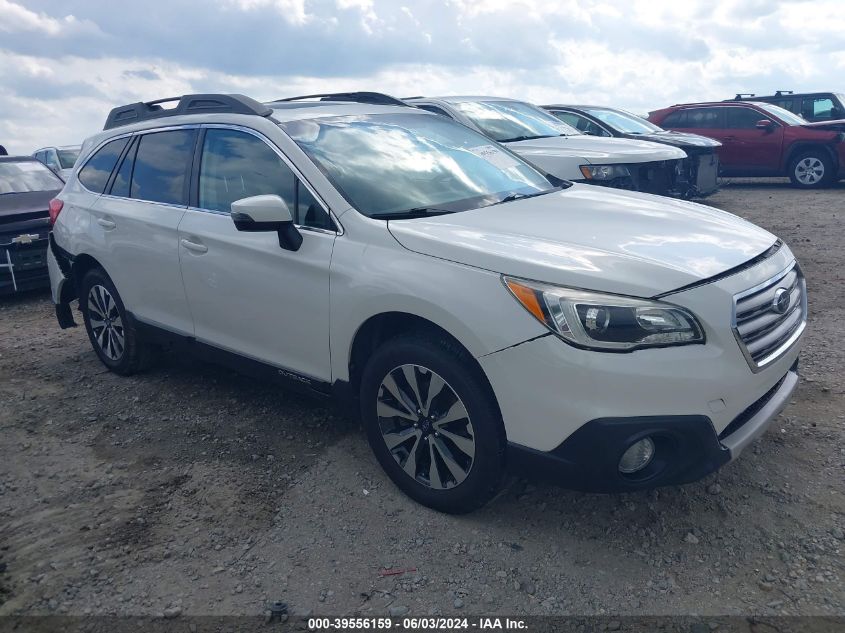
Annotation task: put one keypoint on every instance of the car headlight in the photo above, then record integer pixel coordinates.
(604, 172)
(606, 322)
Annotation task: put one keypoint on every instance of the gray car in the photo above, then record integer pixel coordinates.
(59, 159)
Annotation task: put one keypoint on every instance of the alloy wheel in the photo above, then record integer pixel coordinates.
(425, 426)
(809, 170)
(106, 323)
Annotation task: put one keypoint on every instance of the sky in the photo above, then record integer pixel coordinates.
(64, 64)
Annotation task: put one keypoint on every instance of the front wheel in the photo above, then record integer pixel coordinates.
(433, 424)
(811, 169)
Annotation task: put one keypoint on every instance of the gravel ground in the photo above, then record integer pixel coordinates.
(192, 490)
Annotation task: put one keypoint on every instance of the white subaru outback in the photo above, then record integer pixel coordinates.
(479, 315)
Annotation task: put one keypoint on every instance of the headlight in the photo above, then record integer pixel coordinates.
(604, 172)
(606, 322)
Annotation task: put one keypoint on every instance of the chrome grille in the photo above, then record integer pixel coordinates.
(765, 327)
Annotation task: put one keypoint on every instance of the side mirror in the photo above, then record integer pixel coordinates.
(267, 213)
(764, 124)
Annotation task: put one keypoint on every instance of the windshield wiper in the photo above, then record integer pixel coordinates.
(524, 138)
(521, 196)
(417, 212)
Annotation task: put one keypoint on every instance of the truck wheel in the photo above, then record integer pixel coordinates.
(811, 169)
(114, 339)
(433, 424)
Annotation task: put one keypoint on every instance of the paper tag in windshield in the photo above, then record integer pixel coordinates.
(495, 156)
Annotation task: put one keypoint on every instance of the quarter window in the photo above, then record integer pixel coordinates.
(237, 165)
(97, 170)
(161, 167)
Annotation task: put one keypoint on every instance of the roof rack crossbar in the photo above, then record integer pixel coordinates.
(187, 104)
(780, 93)
(740, 95)
(374, 98)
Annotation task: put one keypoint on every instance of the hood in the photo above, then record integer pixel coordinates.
(838, 124)
(592, 237)
(678, 139)
(597, 150)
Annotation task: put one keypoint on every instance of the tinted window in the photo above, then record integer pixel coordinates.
(97, 170)
(26, 176)
(120, 186)
(162, 161)
(582, 124)
(706, 118)
(743, 118)
(67, 157)
(818, 108)
(675, 119)
(238, 165)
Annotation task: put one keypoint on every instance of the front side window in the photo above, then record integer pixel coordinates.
(624, 121)
(743, 118)
(237, 165)
(582, 123)
(506, 121)
(818, 108)
(25, 176)
(391, 165)
(162, 162)
(784, 115)
(97, 170)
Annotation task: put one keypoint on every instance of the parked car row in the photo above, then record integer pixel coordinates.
(477, 312)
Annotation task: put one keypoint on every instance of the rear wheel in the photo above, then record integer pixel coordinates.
(433, 424)
(810, 169)
(115, 341)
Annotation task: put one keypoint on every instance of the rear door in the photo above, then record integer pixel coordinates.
(136, 222)
(247, 294)
(749, 148)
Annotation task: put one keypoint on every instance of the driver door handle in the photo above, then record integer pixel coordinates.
(193, 246)
(106, 224)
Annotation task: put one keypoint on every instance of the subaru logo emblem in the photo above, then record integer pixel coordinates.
(780, 302)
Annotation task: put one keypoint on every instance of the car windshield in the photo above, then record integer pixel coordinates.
(505, 121)
(623, 121)
(397, 166)
(24, 176)
(67, 157)
(784, 115)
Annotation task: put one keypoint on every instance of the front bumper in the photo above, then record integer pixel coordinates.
(23, 266)
(687, 447)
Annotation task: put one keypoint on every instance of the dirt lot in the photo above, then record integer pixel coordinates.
(194, 490)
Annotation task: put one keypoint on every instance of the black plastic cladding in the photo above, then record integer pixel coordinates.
(188, 104)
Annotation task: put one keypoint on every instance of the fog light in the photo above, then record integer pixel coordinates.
(637, 456)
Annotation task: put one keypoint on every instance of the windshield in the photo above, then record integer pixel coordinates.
(623, 121)
(67, 157)
(413, 164)
(27, 176)
(506, 121)
(784, 115)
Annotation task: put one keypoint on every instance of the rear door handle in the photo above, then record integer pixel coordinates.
(193, 246)
(106, 224)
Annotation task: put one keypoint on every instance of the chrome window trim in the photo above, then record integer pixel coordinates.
(758, 366)
(291, 166)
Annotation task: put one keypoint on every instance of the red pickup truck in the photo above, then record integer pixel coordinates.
(762, 139)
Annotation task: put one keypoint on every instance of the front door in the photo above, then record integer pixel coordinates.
(747, 147)
(247, 294)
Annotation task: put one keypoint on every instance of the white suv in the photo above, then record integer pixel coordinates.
(477, 315)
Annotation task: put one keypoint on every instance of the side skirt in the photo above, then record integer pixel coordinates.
(242, 364)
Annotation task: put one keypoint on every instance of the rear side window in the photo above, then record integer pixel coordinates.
(97, 170)
(123, 178)
(705, 118)
(743, 118)
(162, 164)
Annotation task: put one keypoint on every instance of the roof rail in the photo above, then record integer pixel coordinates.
(780, 93)
(375, 98)
(188, 104)
(739, 95)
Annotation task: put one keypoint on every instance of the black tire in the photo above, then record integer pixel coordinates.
(134, 354)
(445, 360)
(811, 169)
